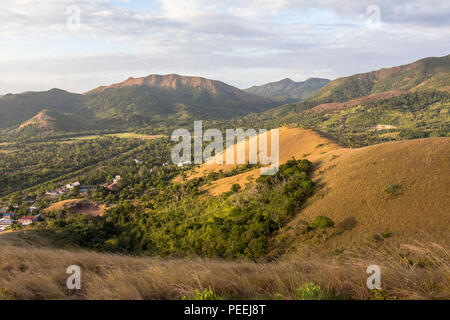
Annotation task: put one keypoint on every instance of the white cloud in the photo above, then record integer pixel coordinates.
(243, 42)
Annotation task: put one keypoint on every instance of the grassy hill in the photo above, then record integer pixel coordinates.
(388, 203)
(382, 196)
(287, 90)
(398, 189)
(294, 142)
(50, 121)
(109, 276)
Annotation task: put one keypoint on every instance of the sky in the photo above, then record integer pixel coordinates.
(78, 45)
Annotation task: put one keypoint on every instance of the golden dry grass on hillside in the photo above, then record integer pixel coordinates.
(31, 272)
(398, 189)
(293, 142)
(386, 193)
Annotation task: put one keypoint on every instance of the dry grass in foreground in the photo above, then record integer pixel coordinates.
(39, 273)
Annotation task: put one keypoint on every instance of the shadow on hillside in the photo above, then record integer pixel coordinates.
(346, 225)
(24, 238)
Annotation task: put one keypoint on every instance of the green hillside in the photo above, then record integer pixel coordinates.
(153, 101)
(17, 108)
(287, 90)
(148, 105)
(424, 74)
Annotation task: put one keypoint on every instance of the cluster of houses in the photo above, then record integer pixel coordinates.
(83, 189)
(66, 189)
(114, 185)
(8, 219)
(63, 190)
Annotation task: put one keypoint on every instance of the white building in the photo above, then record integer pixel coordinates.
(72, 185)
(5, 223)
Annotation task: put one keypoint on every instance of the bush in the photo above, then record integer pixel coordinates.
(309, 291)
(392, 189)
(235, 187)
(322, 222)
(207, 294)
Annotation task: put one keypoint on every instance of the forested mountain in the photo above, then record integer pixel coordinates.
(287, 90)
(17, 108)
(157, 98)
(161, 101)
(151, 101)
(424, 74)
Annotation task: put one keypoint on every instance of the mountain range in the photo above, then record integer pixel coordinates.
(147, 101)
(164, 100)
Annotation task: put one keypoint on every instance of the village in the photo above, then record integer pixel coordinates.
(9, 218)
(28, 213)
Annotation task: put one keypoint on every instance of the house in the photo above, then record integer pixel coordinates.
(5, 223)
(117, 179)
(137, 161)
(32, 208)
(9, 216)
(72, 185)
(28, 220)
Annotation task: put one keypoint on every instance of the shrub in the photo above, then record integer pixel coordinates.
(392, 189)
(380, 294)
(235, 187)
(309, 291)
(386, 234)
(207, 294)
(322, 222)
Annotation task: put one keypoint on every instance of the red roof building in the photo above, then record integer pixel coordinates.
(28, 220)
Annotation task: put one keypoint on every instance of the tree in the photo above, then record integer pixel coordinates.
(15, 199)
(322, 222)
(235, 187)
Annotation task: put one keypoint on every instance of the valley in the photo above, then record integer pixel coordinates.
(363, 179)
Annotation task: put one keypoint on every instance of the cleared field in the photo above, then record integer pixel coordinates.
(77, 206)
(131, 135)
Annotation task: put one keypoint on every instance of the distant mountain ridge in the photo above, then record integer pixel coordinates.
(17, 108)
(155, 100)
(178, 82)
(424, 74)
(159, 101)
(172, 97)
(169, 81)
(287, 90)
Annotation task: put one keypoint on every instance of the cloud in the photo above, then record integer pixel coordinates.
(242, 42)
